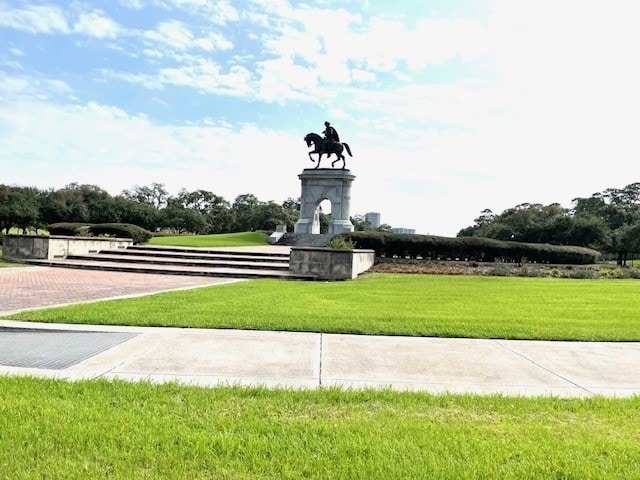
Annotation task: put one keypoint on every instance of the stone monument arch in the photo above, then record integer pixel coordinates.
(321, 184)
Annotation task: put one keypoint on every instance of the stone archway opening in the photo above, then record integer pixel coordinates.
(324, 207)
(322, 187)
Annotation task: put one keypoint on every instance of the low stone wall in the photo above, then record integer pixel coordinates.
(330, 264)
(23, 247)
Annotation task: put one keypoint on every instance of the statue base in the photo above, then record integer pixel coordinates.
(323, 184)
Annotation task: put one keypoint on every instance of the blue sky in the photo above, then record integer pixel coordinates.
(449, 107)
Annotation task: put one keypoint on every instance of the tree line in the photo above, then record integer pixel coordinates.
(608, 221)
(150, 207)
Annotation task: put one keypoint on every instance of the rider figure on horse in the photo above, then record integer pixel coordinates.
(330, 136)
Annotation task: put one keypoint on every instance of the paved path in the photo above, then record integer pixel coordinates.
(23, 288)
(293, 360)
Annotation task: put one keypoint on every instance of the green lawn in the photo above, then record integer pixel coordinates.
(397, 304)
(248, 239)
(117, 430)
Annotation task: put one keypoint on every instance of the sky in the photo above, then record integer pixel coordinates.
(449, 107)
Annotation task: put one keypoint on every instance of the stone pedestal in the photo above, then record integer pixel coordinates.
(325, 184)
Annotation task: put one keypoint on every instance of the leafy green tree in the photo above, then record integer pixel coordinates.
(243, 207)
(360, 223)
(589, 231)
(140, 214)
(64, 205)
(99, 203)
(214, 208)
(155, 195)
(619, 210)
(266, 216)
(18, 207)
(291, 208)
(179, 219)
(5, 213)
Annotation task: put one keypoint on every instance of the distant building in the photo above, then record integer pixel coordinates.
(373, 218)
(404, 230)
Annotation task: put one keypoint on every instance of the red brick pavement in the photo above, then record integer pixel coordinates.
(32, 287)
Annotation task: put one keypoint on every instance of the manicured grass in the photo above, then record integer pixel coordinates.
(396, 304)
(221, 240)
(116, 430)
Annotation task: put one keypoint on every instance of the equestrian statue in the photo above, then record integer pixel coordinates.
(328, 144)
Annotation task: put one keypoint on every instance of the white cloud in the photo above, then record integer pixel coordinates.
(132, 4)
(152, 53)
(207, 76)
(359, 75)
(213, 41)
(173, 33)
(34, 18)
(100, 144)
(20, 87)
(97, 25)
(540, 104)
(281, 80)
(177, 35)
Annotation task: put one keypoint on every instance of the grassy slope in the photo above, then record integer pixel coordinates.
(84, 430)
(455, 306)
(219, 240)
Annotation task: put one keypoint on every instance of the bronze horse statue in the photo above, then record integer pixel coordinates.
(321, 146)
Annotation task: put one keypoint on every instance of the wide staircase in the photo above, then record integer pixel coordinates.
(234, 263)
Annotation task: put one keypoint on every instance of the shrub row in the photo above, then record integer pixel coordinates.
(120, 230)
(469, 248)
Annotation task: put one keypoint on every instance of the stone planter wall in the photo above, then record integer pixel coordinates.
(22, 247)
(330, 264)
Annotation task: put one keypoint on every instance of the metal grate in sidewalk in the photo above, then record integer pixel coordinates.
(54, 349)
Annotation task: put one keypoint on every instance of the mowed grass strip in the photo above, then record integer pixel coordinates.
(389, 304)
(243, 239)
(117, 430)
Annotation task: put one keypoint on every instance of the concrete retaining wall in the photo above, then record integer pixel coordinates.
(22, 247)
(330, 264)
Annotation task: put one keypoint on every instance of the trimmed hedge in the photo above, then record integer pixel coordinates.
(120, 230)
(69, 229)
(469, 248)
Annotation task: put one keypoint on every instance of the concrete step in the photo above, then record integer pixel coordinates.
(204, 255)
(237, 252)
(252, 263)
(210, 271)
(259, 262)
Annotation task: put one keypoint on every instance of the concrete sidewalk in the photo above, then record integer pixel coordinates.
(284, 359)
(312, 360)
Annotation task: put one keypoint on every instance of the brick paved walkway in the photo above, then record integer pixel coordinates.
(34, 287)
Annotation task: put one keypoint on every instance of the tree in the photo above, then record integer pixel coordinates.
(360, 223)
(155, 195)
(64, 205)
(266, 216)
(141, 214)
(291, 208)
(214, 208)
(618, 209)
(18, 207)
(242, 208)
(182, 220)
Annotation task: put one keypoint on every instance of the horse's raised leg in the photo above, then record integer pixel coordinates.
(340, 157)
